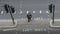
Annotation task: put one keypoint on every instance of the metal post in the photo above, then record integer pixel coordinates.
(53, 14)
(11, 15)
(53, 9)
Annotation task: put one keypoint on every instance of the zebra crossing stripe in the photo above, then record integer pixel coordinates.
(47, 12)
(40, 11)
(1, 12)
(33, 11)
(27, 12)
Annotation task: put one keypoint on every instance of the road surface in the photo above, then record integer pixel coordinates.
(38, 9)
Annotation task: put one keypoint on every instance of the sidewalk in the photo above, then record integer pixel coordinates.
(6, 23)
(56, 23)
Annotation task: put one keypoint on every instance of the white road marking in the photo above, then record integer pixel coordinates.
(1, 12)
(38, 18)
(47, 12)
(57, 20)
(8, 29)
(37, 29)
(33, 11)
(9, 20)
(27, 11)
(24, 30)
(40, 11)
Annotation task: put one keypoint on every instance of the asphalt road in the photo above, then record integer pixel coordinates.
(32, 32)
(33, 25)
(31, 6)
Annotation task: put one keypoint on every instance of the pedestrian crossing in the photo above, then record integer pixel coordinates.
(24, 19)
(21, 12)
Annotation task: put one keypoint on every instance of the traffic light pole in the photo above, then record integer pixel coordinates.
(53, 16)
(11, 16)
(53, 9)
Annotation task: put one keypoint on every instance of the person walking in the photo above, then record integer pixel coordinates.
(29, 16)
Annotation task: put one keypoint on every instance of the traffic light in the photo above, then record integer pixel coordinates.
(12, 9)
(50, 8)
(53, 7)
(9, 8)
(6, 6)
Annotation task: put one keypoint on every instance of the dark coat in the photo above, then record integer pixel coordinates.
(29, 16)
